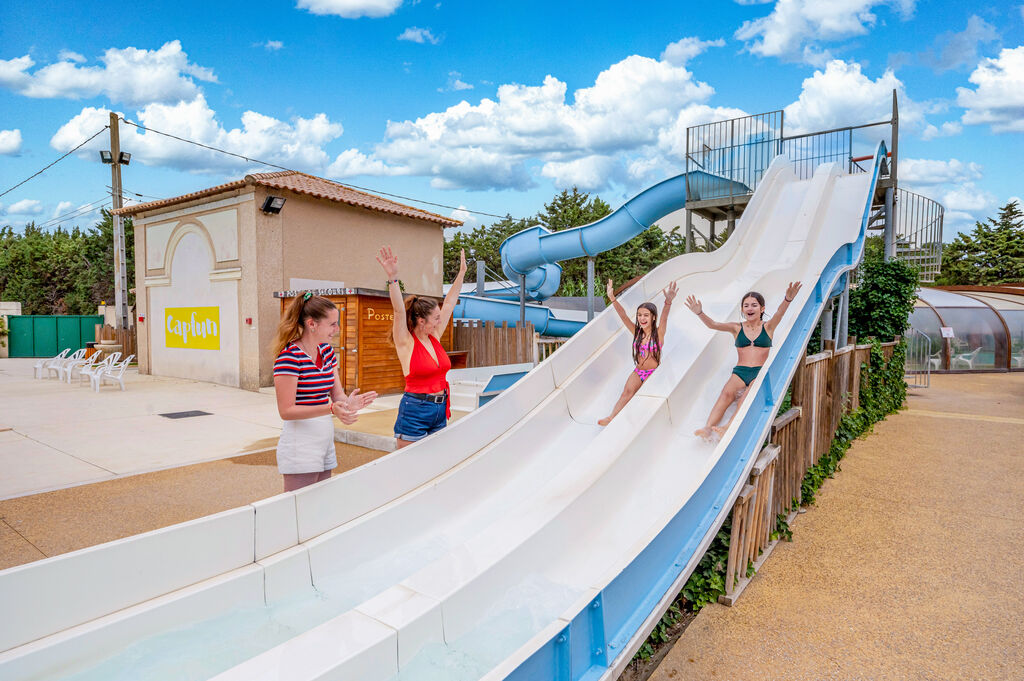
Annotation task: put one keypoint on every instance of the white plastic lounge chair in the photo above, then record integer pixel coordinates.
(86, 372)
(935, 360)
(56, 366)
(69, 368)
(114, 373)
(966, 358)
(1018, 360)
(39, 367)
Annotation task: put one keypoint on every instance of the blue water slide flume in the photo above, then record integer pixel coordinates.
(536, 251)
(598, 640)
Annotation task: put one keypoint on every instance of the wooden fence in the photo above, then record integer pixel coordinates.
(825, 386)
(545, 347)
(126, 338)
(489, 344)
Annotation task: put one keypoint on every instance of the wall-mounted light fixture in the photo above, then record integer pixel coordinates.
(273, 204)
(125, 158)
(106, 156)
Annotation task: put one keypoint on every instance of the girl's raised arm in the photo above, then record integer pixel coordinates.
(452, 299)
(791, 291)
(627, 322)
(698, 309)
(670, 293)
(389, 262)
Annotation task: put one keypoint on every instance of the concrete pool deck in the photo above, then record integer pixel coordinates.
(908, 566)
(54, 435)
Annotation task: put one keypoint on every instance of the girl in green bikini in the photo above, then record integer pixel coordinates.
(753, 343)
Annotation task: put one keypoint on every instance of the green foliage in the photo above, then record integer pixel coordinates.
(882, 300)
(993, 253)
(707, 582)
(882, 392)
(3, 332)
(63, 271)
(566, 210)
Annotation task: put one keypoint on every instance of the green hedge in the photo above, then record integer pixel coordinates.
(882, 392)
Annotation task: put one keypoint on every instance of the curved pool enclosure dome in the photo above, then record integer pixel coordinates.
(987, 324)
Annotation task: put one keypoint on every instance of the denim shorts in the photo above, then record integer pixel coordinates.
(418, 419)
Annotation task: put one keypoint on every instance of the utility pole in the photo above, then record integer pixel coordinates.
(120, 267)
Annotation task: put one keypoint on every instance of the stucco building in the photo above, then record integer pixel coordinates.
(208, 264)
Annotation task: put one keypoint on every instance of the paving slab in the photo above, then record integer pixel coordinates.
(907, 567)
(60, 434)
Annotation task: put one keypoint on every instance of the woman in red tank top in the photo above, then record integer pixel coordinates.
(425, 405)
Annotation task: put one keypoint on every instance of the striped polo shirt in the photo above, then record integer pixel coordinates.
(314, 384)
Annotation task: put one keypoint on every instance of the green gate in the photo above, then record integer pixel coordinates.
(46, 335)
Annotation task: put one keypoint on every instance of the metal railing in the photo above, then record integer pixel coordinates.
(919, 362)
(918, 238)
(728, 158)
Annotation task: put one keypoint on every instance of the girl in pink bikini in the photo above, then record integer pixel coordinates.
(648, 339)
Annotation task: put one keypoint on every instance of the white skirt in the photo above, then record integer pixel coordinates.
(307, 446)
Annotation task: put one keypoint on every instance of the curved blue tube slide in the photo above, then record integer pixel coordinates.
(535, 252)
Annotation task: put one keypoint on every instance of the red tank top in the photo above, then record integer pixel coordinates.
(425, 375)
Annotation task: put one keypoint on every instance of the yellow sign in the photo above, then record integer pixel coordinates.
(196, 328)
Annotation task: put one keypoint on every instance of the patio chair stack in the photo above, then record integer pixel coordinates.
(97, 368)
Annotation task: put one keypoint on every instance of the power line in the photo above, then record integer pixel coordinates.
(291, 170)
(81, 210)
(54, 163)
(127, 191)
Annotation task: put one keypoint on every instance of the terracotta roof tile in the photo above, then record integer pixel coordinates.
(309, 185)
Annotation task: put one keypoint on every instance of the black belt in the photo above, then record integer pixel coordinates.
(428, 397)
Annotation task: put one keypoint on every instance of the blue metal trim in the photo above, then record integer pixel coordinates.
(628, 600)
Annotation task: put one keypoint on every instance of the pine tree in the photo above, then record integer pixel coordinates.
(993, 253)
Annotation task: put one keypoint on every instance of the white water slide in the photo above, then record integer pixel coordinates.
(522, 542)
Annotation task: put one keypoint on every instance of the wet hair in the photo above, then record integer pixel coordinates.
(756, 296)
(638, 335)
(303, 306)
(416, 307)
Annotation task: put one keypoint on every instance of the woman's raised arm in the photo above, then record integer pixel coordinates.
(389, 262)
(452, 298)
(698, 309)
(670, 294)
(791, 291)
(629, 323)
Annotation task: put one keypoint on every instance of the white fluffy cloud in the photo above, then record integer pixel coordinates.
(10, 142)
(493, 144)
(795, 28)
(968, 198)
(272, 45)
(62, 208)
(353, 162)
(129, 75)
(68, 55)
(298, 144)
(25, 207)
(947, 129)
(842, 95)
(922, 172)
(682, 51)
(998, 100)
(351, 9)
(455, 83)
(415, 34)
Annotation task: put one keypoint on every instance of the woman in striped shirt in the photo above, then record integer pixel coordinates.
(309, 393)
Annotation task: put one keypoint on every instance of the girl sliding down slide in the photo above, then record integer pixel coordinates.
(753, 343)
(648, 340)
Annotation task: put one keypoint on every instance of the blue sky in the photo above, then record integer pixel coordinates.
(494, 107)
